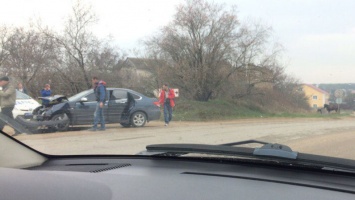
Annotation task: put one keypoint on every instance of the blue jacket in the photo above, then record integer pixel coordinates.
(45, 93)
(100, 91)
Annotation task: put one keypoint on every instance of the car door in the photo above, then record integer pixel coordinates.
(116, 105)
(84, 110)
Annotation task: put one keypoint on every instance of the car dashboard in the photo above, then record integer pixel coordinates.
(141, 177)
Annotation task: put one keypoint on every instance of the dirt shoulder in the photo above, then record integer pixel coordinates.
(340, 144)
(305, 135)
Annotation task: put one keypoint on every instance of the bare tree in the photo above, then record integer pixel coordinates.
(76, 44)
(106, 62)
(142, 74)
(29, 54)
(256, 59)
(207, 45)
(3, 43)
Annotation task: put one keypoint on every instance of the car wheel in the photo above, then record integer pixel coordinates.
(138, 119)
(61, 127)
(125, 125)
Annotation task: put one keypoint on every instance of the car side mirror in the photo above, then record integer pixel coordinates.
(84, 99)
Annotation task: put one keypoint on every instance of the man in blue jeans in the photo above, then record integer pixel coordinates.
(166, 99)
(100, 93)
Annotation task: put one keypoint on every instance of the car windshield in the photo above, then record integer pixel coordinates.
(21, 95)
(208, 71)
(80, 94)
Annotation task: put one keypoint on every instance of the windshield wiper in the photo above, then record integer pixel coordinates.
(274, 150)
(271, 150)
(245, 142)
(268, 152)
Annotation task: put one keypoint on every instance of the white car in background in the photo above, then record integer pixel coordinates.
(24, 104)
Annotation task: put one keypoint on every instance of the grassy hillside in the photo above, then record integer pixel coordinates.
(226, 110)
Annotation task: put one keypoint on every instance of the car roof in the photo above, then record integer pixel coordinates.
(128, 90)
(125, 89)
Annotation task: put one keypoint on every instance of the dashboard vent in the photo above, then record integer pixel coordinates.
(108, 168)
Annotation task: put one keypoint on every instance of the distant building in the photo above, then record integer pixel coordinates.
(316, 96)
(143, 74)
(140, 67)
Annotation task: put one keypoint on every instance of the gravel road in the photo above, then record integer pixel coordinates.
(334, 137)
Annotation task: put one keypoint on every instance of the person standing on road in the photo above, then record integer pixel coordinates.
(20, 88)
(46, 92)
(100, 93)
(166, 99)
(7, 98)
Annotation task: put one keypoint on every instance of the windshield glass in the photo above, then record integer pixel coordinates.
(80, 94)
(21, 95)
(209, 71)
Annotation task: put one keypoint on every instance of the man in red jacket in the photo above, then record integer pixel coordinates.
(167, 96)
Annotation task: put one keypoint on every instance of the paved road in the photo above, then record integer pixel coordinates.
(335, 137)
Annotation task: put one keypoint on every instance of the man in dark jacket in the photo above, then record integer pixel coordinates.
(100, 93)
(7, 98)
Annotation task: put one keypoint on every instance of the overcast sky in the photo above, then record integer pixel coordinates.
(318, 35)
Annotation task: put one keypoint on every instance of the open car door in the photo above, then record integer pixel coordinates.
(118, 105)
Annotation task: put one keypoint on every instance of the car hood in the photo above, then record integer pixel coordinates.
(56, 99)
(26, 104)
